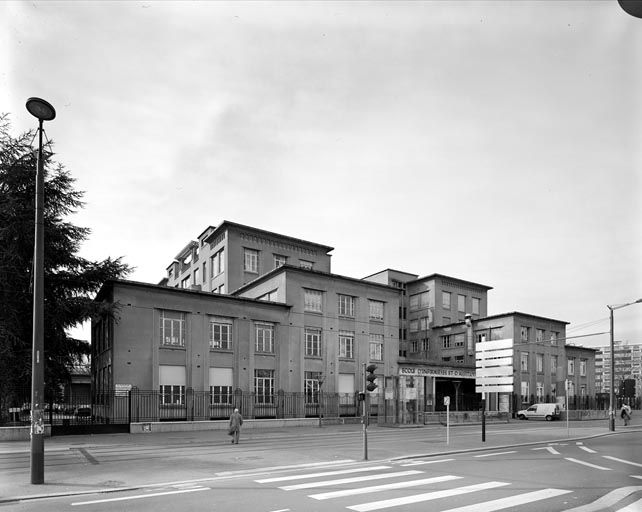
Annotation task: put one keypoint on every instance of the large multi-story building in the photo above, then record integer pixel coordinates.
(251, 311)
(628, 365)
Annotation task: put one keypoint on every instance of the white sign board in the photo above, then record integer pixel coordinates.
(494, 366)
(446, 401)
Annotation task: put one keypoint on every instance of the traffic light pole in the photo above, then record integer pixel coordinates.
(364, 418)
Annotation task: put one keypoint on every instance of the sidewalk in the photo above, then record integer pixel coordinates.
(76, 465)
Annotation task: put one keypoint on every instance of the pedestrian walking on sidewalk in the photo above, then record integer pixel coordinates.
(236, 420)
(625, 414)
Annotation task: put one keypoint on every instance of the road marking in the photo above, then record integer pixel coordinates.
(417, 498)
(353, 479)
(384, 487)
(587, 449)
(633, 507)
(139, 496)
(636, 476)
(511, 501)
(496, 453)
(608, 500)
(292, 466)
(548, 448)
(419, 463)
(622, 460)
(587, 464)
(316, 475)
(281, 510)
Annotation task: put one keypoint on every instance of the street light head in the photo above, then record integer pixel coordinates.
(41, 109)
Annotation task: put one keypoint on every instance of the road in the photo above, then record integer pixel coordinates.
(602, 473)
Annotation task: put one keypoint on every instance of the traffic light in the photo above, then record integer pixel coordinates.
(371, 377)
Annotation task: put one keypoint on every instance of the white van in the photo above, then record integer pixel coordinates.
(548, 412)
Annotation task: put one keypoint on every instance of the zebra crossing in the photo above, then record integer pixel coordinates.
(346, 484)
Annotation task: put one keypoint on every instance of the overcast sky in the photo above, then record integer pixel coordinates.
(495, 142)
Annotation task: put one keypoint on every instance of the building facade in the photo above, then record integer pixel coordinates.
(628, 365)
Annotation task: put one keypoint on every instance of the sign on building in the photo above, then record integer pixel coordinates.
(494, 366)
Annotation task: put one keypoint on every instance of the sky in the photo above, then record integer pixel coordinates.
(496, 142)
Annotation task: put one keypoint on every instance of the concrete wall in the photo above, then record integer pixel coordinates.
(19, 433)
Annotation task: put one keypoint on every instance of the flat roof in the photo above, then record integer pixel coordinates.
(512, 313)
(227, 223)
(443, 276)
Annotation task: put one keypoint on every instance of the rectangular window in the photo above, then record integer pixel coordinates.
(220, 386)
(571, 366)
(445, 341)
(221, 333)
(554, 389)
(583, 367)
(414, 325)
(264, 338)
(425, 344)
(523, 336)
(171, 380)
(480, 337)
(553, 338)
(376, 347)
(419, 301)
(496, 333)
(185, 282)
(524, 362)
(525, 391)
(346, 344)
(414, 346)
(376, 309)
(540, 391)
(423, 323)
(172, 329)
(172, 395)
(539, 361)
(251, 260)
(539, 335)
(461, 303)
(553, 365)
(217, 263)
(475, 304)
(306, 264)
(264, 386)
(195, 276)
(460, 340)
(459, 359)
(313, 342)
(279, 260)
(204, 272)
(312, 386)
(346, 305)
(312, 300)
(445, 300)
(271, 296)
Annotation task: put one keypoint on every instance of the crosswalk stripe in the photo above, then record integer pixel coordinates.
(511, 501)
(417, 498)
(587, 449)
(353, 479)
(316, 475)
(421, 462)
(622, 460)
(594, 466)
(495, 453)
(633, 507)
(383, 487)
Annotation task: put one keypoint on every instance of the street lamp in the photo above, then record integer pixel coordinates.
(43, 111)
(612, 390)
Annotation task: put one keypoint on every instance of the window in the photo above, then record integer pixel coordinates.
(583, 367)
(475, 304)
(419, 301)
(414, 325)
(376, 309)
(540, 391)
(553, 338)
(172, 329)
(279, 260)
(539, 362)
(312, 300)
(496, 333)
(217, 263)
(264, 338)
(525, 391)
(376, 347)
(171, 381)
(571, 366)
(461, 303)
(204, 272)
(445, 341)
(221, 333)
(480, 337)
(523, 336)
(313, 342)
(264, 386)
(346, 344)
(459, 359)
(185, 282)
(524, 362)
(271, 296)
(423, 323)
(414, 346)
(460, 340)
(425, 344)
(306, 264)
(220, 386)
(251, 261)
(346, 305)
(553, 365)
(554, 389)
(539, 335)
(445, 359)
(445, 300)
(312, 386)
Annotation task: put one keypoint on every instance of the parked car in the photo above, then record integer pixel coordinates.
(548, 412)
(83, 411)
